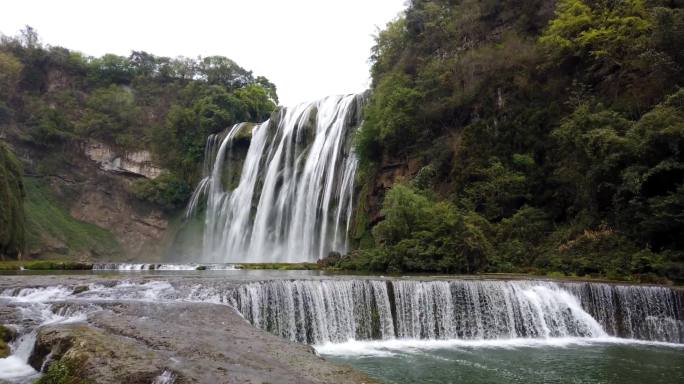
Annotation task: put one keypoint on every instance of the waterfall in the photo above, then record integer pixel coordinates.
(161, 267)
(318, 311)
(322, 311)
(289, 195)
(648, 313)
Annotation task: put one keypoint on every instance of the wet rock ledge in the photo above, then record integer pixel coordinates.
(131, 342)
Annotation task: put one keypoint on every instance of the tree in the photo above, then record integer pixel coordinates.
(111, 69)
(29, 37)
(219, 70)
(10, 74)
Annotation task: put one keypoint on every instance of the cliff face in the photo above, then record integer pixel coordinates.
(83, 207)
(136, 163)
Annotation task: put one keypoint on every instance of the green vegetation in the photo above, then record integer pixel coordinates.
(59, 97)
(49, 265)
(551, 142)
(167, 191)
(61, 372)
(4, 349)
(48, 222)
(12, 217)
(6, 336)
(44, 265)
(53, 100)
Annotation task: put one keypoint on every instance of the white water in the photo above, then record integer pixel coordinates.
(167, 377)
(41, 306)
(318, 311)
(161, 267)
(294, 198)
(402, 346)
(333, 311)
(33, 304)
(379, 317)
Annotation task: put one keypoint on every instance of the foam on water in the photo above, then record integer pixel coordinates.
(382, 317)
(396, 346)
(34, 306)
(167, 377)
(162, 267)
(14, 367)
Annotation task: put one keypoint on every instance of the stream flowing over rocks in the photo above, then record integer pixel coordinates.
(148, 330)
(196, 328)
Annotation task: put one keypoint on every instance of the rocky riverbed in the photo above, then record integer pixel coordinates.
(148, 330)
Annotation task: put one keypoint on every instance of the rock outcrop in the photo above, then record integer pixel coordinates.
(134, 343)
(136, 163)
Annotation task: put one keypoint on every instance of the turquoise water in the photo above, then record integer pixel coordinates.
(515, 361)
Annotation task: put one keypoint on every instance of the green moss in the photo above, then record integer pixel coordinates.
(12, 217)
(57, 265)
(5, 337)
(61, 372)
(48, 220)
(4, 349)
(44, 265)
(245, 133)
(12, 265)
(6, 334)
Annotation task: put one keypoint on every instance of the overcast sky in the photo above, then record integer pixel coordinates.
(308, 48)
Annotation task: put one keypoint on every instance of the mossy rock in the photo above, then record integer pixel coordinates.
(47, 265)
(4, 350)
(7, 334)
(80, 289)
(60, 372)
(245, 133)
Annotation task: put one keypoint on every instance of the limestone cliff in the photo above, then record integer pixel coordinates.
(80, 205)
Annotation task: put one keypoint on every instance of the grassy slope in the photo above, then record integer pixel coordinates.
(47, 219)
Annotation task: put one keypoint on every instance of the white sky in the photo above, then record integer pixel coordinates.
(308, 48)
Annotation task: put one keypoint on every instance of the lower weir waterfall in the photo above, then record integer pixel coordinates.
(282, 190)
(323, 311)
(346, 315)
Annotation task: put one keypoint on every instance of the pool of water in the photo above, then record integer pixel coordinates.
(514, 361)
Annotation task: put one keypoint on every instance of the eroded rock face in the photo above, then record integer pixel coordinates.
(136, 163)
(103, 198)
(95, 356)
(139, 227)
(130, 342)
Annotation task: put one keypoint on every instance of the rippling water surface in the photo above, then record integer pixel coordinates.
(559, 361)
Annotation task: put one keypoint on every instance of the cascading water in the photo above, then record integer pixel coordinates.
(648, 313)
(337, 310)
(337, 314)
(318, 311)
(294, 192)
(161, 267)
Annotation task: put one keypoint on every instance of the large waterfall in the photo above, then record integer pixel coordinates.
(282, 190)
(322, 311)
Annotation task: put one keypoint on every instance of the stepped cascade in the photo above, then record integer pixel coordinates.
(323, 311)
(338, 314)
(286, 197)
